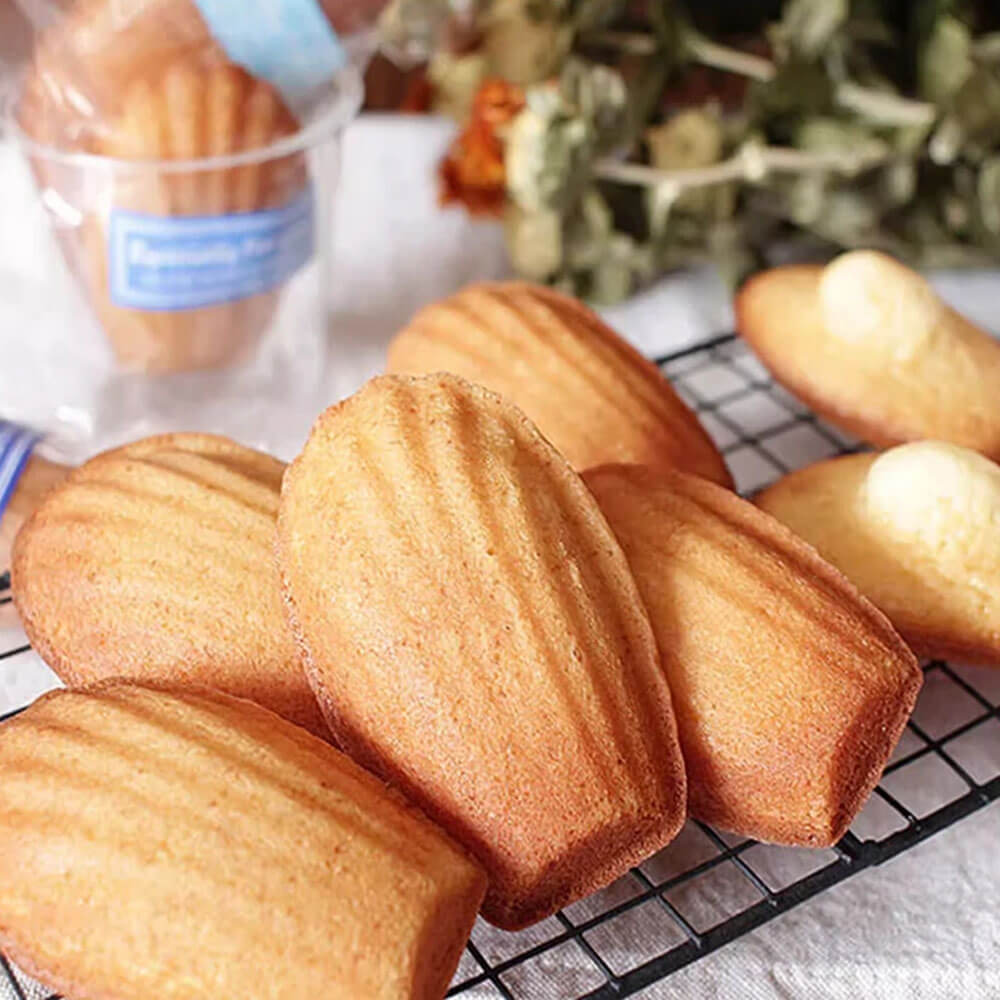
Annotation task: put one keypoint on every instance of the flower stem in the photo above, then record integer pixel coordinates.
(637, 42)
(703, 50)
(884, 106)
(881, 106)
(751, 163)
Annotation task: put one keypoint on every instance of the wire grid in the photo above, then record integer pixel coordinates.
(708, 888)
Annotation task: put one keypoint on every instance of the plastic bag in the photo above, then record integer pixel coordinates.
(89, 54)
(185, 155)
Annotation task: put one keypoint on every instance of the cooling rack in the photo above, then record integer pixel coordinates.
(708, 888)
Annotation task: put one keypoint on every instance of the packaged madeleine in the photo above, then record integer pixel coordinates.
(185, 158)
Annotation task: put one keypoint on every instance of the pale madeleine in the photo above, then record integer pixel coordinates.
(917, 529)
(869, 345)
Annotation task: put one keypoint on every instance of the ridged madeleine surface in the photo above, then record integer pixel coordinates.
(182, 112)
(156, 561)
(917, 530)
(191, 846)
(180, 108)
(867, 343)
(590, 393)
(790, 689)
(475, 637)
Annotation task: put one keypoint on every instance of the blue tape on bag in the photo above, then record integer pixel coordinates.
(289, 43)
(16, 444)
(186, 262)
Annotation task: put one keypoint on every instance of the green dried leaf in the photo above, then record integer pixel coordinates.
(521, 47)
(534, 242)
(945, 61)
(825, 134)
(598, 95)
(588, 232)
(797, 89)
(972, 124)
(692, 138)
(988, 194)
(806, 27)
(548, 153)
(734, 259)
(848, 217)
(612, 280)
(898, 183)
(807, 199)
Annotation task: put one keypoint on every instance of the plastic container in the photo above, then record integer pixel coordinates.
(198, 286)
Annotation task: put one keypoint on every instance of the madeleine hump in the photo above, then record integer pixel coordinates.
(475, 637)
(790, 689)
(192, 846)
(917, 530)
(868, 344)
(155, 561)
(594, 396)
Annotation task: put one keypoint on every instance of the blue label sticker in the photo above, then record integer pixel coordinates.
(186, 262)
(16, 444)
(289, 43)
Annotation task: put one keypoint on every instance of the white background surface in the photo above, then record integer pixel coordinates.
(924, 926)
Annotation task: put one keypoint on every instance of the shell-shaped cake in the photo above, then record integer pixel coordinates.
(917, 530)
(475, 637)
(867, 343)
(187, 113)
(155, 561)
(190, 111)
(589, 392)
(182, 111)
(89, 54)
(190, 845)
(790, 689)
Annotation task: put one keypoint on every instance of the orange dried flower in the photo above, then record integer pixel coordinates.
(472, 172)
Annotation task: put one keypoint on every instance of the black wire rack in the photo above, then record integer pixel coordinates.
(708, 888)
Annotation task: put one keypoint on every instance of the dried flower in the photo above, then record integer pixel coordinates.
(628, 141)
(534, 241)
(523, 48)
(455, 80)
(473, 171)
(547, 151)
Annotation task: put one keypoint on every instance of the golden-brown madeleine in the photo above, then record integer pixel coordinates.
(191, 846)
(156, 561)
(868, 344)
(590, 393)
(917, 530)
(38, 477)
(474, 635)
(790, 689)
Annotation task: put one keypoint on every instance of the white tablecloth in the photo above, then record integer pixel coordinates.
(924, 926)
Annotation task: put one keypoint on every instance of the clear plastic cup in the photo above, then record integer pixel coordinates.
(198, 288)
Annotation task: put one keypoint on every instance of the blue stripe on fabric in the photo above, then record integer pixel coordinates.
(16, 445)
(289, 43)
